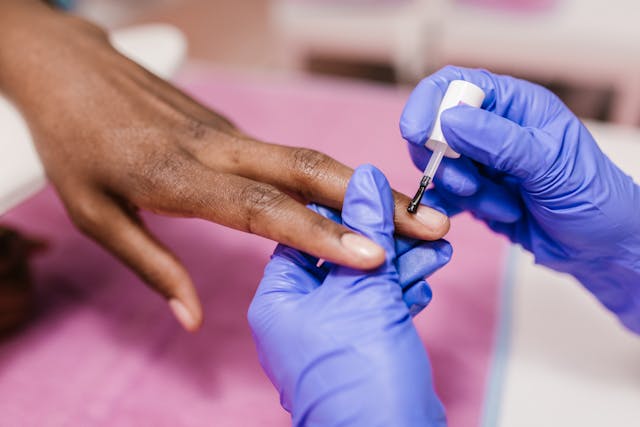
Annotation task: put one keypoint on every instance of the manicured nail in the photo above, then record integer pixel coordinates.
(183, 315)
(431, 217)
(361, 246)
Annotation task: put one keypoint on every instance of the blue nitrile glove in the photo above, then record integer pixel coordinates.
(338, 343)
(539, 178)
(415, 260)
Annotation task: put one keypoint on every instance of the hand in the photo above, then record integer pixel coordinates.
(415, 261)
(115, 139)
(339, 343)
(16, 292)
(534, 173)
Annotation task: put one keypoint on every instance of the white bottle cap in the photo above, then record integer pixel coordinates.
(458, 92)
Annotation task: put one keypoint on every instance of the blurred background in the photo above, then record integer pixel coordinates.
(522, 346)
(584, 50)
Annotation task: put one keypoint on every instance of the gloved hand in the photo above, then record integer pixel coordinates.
(415, 260)
(534, 173)
(339, 343)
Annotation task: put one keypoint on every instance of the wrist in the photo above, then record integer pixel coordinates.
(21, 22)
(18, 13)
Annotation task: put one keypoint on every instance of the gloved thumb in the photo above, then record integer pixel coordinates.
(494, 141)
(368, 209)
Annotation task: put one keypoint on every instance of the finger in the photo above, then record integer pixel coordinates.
(286, 278)
(422, 261)
(415, 257)
(402, 244)
(264, 210)
(421, 110)
(490, 203)
(310, 176)
(459, 176)
(368, 209)
(289, 274)
(517, 100)
(122, 234)
(497, 142)
(405, 244)
(437, 201)
(417, 297)
(305, 261)
(326, 212)
(426, 224)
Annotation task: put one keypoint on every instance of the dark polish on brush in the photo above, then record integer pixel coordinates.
(415, 202)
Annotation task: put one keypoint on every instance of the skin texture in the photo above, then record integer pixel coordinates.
(115, 139)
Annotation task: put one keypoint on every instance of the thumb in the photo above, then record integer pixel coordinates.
(368, 209)
(494, 141)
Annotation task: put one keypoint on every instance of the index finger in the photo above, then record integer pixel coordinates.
(520, 101)
(262, 209)
(311, 176)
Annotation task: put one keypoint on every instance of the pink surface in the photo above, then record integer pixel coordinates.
(513, 5)
(104, 351)
(350, 2)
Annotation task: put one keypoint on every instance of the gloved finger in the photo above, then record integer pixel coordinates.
(490, 203)
(416, 259)
(326, 212)
(403, 244)
(520, 228)
(506, 96)
(422, 261)
(368, 209)
(497, 142)
(289, 274)
(420, 111)
(417, 297)
(309, 263)
(437, 201)
(459, 176)
(288, 277)
(124, 235)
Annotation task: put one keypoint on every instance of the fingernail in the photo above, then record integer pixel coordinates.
(361, 246)
(183, 315)
(431, 217)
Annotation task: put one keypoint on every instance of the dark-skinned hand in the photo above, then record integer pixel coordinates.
(115, 139)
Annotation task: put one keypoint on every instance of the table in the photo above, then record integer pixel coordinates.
(104, 351)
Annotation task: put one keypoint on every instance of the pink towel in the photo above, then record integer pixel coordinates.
(104, 351)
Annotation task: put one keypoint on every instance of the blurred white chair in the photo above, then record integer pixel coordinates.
(395, 32)
(159, 48)
(591, 42)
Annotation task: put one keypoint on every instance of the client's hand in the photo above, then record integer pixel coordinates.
(339, 343)
(115, 139)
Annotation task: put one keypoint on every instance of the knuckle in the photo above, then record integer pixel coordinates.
(260, 200)
(86, 216)
(162, 172)
(310, 165)
(196, 129)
